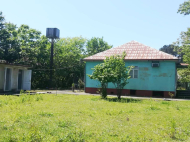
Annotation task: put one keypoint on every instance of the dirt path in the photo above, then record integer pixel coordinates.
(83, 93)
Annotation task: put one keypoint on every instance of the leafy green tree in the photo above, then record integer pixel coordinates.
(170, 49)
(9, 45)
(13, 52)
(4, 38)
(96, 45)
(29, 43)
(184, 8)
(103, 73)
(67, 60)
(34, 50)
(183, 46)
(184, 40)
(119, 71)
(184, 75)
(40, 63)
(112, 70)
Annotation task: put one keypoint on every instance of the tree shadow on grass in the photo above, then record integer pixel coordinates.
(123, 100)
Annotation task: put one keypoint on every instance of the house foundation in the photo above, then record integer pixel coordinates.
(127, 92)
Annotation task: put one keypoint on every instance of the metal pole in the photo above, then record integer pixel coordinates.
(51, 63)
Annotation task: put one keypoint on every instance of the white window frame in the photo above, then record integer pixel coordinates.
(136, 68)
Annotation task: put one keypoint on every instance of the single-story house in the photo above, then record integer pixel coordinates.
(154, 72)
(14, 77)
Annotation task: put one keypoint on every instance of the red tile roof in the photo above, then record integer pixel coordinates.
(135, 51)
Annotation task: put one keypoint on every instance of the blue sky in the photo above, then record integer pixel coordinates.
(152, 22)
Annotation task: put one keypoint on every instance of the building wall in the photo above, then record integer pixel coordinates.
(150, 78)
(14, 78)
(2, 77)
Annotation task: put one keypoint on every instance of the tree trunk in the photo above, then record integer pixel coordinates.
(103, 90)
(119, 91)
(119, 97)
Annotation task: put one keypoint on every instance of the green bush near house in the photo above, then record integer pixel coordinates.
(77, 118)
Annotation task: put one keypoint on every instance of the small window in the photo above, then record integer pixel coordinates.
(134, 72)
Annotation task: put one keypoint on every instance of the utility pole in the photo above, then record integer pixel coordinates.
(52, 33)
(51, 63)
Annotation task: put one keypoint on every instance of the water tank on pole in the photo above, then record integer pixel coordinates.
(52, 33)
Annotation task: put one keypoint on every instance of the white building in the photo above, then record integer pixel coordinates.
(14, 77)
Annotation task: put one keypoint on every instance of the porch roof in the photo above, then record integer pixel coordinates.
(3, 62)
(182, 65)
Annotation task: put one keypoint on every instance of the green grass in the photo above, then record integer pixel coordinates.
(72, 118)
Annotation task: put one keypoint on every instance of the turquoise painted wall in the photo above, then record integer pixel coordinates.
(161, 78)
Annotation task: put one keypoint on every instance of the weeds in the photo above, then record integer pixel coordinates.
(46, 114)
(173, 129)
(123, 100)
(171, 94)
(34, 135)
(65, 124)
(166, 103)
(39, 97)
(154, 108)
(74, 118)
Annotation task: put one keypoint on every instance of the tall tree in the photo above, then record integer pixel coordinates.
(40, 63)
(67, 60)
(184, 8)
(29, 40)
(169, 49)
(184, 45)
(183, 48)
(13, 52)
(96, 45)
(184, 40)
(2, 20)
(4, 38)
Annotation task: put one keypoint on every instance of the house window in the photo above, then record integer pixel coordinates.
(134, 72)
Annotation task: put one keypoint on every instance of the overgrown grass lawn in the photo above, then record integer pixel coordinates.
(89, 118)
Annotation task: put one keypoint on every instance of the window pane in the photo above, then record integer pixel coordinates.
(131, 73)
(135, 73)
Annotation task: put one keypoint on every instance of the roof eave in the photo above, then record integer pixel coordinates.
(135, 60)
(18, 65)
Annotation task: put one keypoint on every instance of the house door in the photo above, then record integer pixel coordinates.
(27, 80)
(20, 79)
(7, 85)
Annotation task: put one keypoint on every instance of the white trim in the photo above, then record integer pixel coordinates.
(133, 72)
(11, 69)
